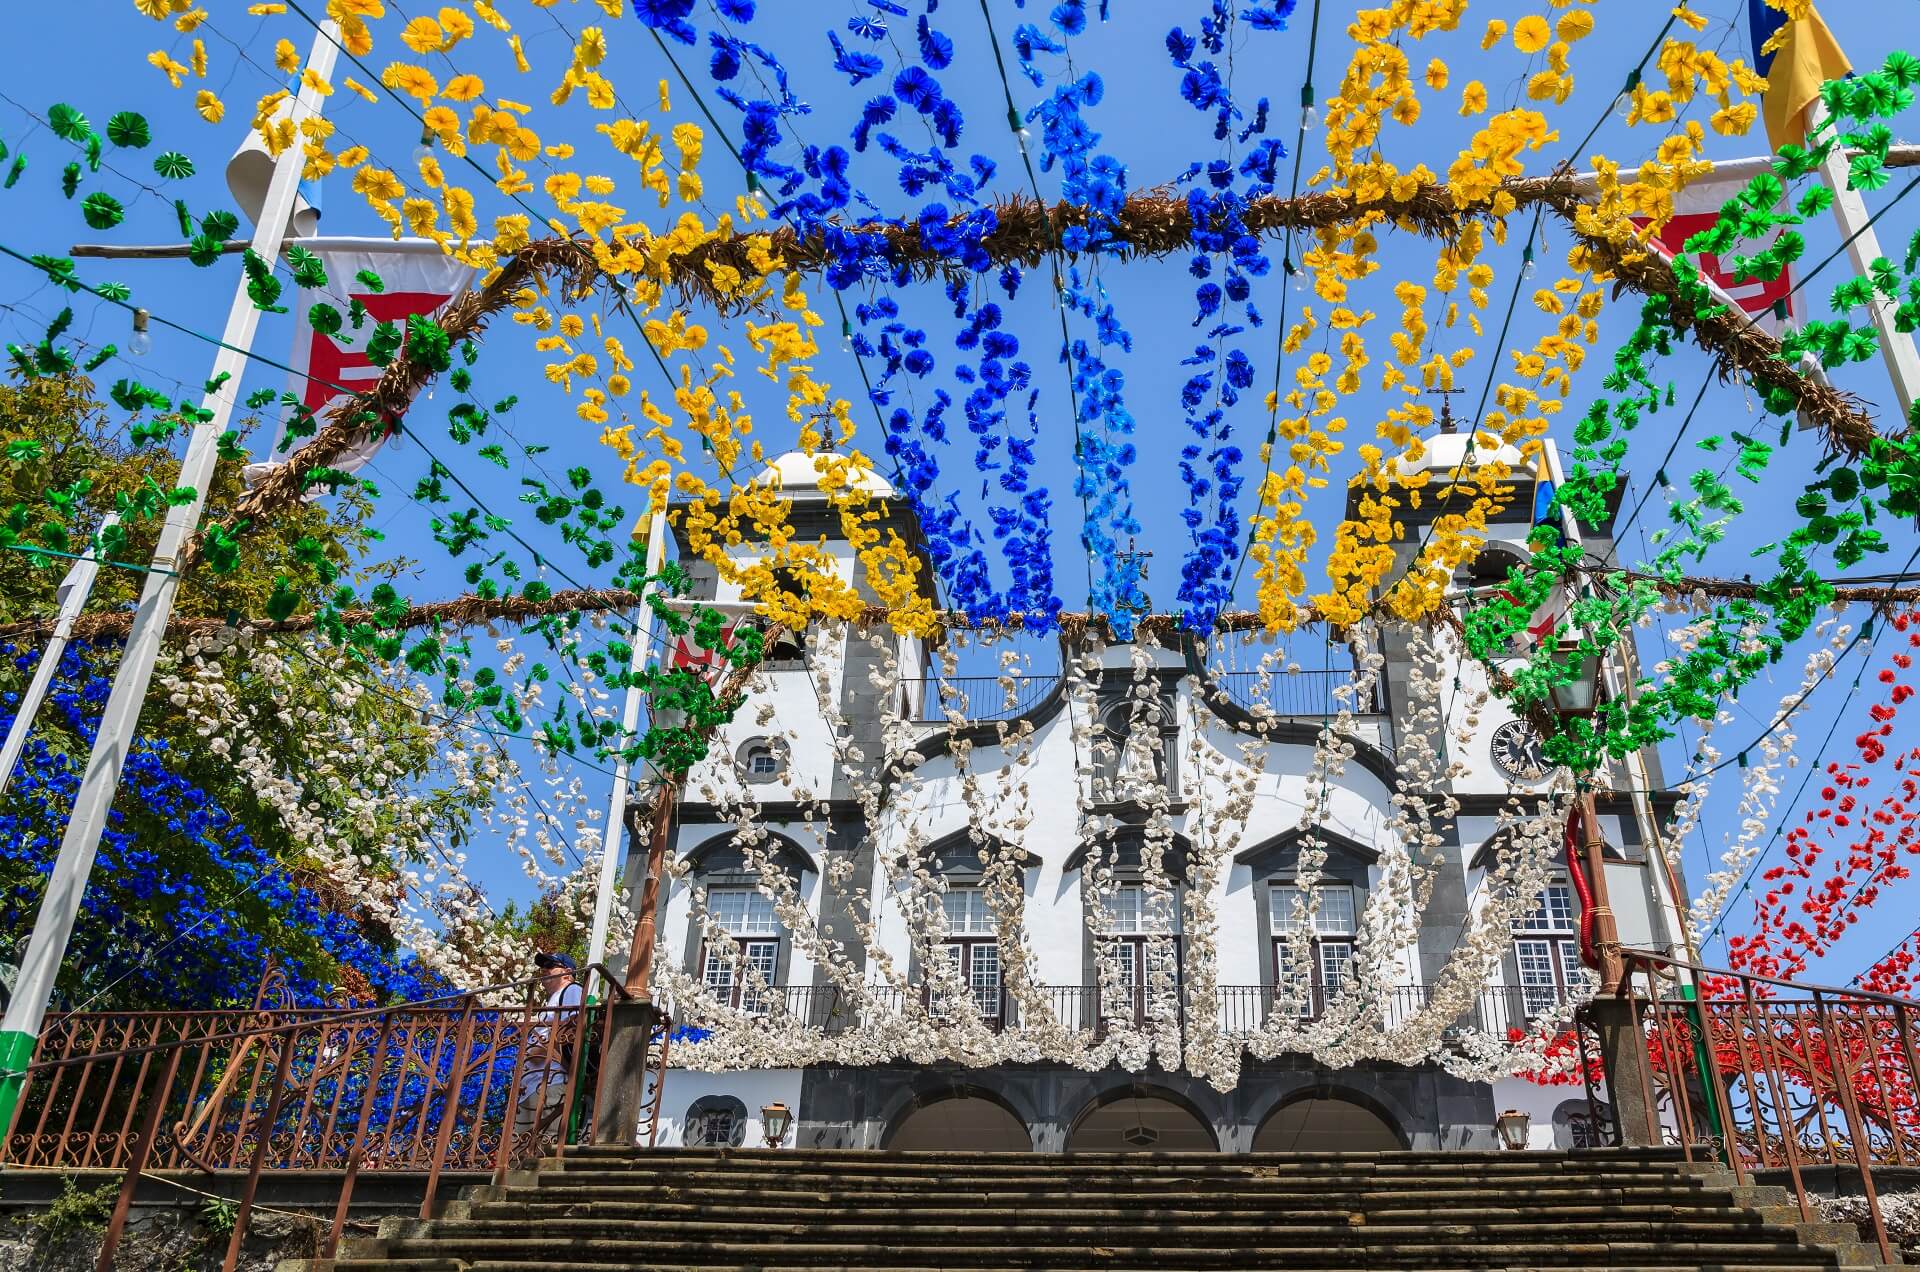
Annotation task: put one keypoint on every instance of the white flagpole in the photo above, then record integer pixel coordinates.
(1850, 211)
(74, 590)
(629, 722)
(60, 905)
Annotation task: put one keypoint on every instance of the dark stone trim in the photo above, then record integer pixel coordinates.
(956, 856)
(1133, 836)
(772, 812)
(859, 1106)
(797, 860)
(1277, 848)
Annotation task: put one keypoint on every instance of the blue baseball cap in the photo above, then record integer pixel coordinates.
(544, 960)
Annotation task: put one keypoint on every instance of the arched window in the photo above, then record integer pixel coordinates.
(972, 946)
(715, 1121)
(749, 948)
(1546, 951)
(1134, 930)
(762, 759)
(971, 939)
(1331, 930)
(1332, 927)
(749, 943)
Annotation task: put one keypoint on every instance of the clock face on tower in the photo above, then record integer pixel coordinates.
(1516, 752)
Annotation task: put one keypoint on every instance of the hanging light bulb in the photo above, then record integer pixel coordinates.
(423, 151)
(140, 344)
(1295, 278)
(846, 336)
(1623, 104)
(1526, 262)
(1309, 112)
(1019, 127)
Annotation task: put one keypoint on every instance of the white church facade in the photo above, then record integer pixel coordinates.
(1097, 957)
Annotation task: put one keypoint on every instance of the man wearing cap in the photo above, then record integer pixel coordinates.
(556, 978)
(543, 1078)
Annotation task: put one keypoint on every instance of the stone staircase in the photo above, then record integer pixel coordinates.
(683, 1209)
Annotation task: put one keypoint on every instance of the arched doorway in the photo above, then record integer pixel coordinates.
(1131, 1121)
(963, 1122)
(1325, 1122)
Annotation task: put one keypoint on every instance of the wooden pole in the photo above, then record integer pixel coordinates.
(646, 927)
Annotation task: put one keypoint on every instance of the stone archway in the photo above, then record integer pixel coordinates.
(1326, 1120)
(1141, 1120)
(964, 1121)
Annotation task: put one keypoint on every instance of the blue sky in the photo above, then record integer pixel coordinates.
(91, 54)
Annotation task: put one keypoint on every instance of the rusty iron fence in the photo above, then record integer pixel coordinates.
(1768, 1076)
(483, 1080)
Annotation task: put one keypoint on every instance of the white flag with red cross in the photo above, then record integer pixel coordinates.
(1697, 208)
(416, 279)
(688, 654)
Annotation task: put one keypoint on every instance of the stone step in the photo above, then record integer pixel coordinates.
(639, 1234)
(545, 1251)
(823, 1208)
(638, 1188)
(992, 1208)
(910, 1165)
(935, 1174)
(1253, 1263)
(815, 1211)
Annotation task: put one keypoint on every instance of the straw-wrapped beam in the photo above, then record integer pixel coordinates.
(475, 611)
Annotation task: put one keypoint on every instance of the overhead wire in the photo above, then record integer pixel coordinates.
(1289, 271)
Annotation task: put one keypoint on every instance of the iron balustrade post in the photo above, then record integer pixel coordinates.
(1623, 1056)
(1856, 1124)
(618, 1104)
(1775, 1073)
(142, 1149)
(510, 1120)
(449, 1106)
(260, 1141)
(575, 1061)
(358, 1149)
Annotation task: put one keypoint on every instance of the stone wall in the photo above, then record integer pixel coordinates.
(158, 1239)
(858, 1107)
(181, 1221)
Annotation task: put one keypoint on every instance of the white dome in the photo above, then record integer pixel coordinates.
(797, 471)
(1447, 452)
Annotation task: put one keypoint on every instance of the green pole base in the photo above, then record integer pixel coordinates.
(16, 1053)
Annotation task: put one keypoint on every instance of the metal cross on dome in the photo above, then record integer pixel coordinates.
(1133, 562)
(1447, 422)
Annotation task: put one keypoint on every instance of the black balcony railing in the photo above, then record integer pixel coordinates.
(1294, 695)
(976, 698)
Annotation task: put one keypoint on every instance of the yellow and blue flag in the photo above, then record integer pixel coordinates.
(1806, 57)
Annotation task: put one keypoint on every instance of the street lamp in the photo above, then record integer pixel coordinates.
(1576, 697)
(1512, 1127)
(776, 1117)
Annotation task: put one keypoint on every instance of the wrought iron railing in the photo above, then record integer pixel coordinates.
(1299, 695)
(1766, 1076)
(976, 699)
(1770, 1076)
(460, 1083)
